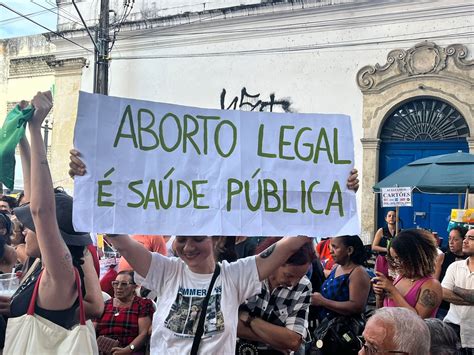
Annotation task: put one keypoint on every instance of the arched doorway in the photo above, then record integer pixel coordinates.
(396, 91)
(415, 129)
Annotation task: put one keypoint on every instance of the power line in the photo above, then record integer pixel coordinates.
(18, 18)
(85, 26)
(46, 28)
(57, 12)
(283, 50)
(60, 9)
(126, 12)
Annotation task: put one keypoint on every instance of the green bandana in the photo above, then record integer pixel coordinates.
(12, 131)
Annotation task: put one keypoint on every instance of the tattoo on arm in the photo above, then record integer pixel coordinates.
(67, 261)
(267, 252)
(44, 162)
(428, 299)
(465, 294)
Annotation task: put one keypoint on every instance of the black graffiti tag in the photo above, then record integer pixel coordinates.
(249, 102)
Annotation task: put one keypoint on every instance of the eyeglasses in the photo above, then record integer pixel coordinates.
(123, 283)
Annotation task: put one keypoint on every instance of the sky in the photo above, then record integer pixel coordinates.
(41, 11)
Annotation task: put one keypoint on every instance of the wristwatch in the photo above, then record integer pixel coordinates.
(132, 347)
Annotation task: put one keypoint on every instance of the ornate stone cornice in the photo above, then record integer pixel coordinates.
(30, 66)
(67, 65)
(426, 59)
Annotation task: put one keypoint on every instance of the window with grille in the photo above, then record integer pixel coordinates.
(424, 119)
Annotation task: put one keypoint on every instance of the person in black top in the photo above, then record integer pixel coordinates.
(50, 237)
(381, 242)
(454, 253)
(385, 234)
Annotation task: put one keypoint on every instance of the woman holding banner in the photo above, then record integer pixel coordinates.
(199, 297)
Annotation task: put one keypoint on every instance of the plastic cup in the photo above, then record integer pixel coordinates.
(9, 283)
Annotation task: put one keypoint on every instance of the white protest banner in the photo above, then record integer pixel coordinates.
(155, 168)
(396, 196)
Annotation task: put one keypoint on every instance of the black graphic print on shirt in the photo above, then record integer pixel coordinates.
(185, 311)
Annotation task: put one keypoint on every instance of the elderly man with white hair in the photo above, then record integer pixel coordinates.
(396, 330)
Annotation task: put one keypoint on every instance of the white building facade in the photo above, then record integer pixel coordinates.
(366, 59)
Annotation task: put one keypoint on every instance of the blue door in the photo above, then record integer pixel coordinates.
(430, 211)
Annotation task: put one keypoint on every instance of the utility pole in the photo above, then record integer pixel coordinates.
(101, 77)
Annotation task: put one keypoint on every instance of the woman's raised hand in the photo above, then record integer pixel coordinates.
(353, 180)
(76, 166)
(42, 102)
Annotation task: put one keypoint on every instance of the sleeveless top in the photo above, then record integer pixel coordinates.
(21, 300)
(412, 295)
(386, 236)
(335, 289)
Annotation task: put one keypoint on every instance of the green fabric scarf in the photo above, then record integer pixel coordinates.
(12, 131)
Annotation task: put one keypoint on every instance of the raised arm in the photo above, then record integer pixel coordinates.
(25, 155)
(277, 254)
(58, 277)
(134, 252)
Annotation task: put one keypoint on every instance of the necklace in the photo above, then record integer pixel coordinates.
(116, 309)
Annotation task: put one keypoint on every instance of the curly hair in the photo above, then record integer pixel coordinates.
(417, 253)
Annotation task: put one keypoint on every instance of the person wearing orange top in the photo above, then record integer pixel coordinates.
(153, 243)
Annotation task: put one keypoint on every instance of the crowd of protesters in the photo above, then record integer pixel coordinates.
(231, 295)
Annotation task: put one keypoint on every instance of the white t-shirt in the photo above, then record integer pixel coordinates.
(458, 274)
(181, 292)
